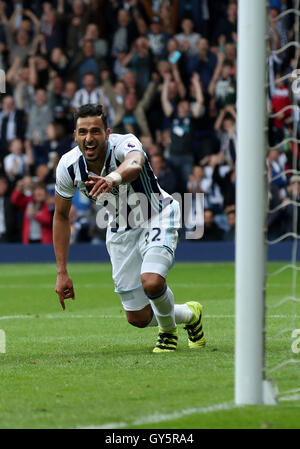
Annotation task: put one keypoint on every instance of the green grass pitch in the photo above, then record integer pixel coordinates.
(87, 367)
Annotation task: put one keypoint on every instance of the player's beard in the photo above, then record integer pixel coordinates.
(95, 154)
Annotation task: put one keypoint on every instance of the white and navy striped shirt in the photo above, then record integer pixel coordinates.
(72, 173)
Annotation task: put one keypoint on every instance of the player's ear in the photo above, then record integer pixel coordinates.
(74, 134)
(107, 133)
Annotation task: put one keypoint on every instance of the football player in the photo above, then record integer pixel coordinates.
(102, 166)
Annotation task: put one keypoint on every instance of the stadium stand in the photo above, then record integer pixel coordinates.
(164, 70)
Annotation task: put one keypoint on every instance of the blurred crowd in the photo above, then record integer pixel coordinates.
(165, 70)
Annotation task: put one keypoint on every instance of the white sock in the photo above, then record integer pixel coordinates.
(163, 308)
(183, 315)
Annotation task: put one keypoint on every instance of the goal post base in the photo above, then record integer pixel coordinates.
(269, 396)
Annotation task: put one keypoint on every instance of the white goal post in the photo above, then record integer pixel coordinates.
(250, 387)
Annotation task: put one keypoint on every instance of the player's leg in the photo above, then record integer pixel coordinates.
(156, 264)
(141, 314)
(162, 304)
(137, 307)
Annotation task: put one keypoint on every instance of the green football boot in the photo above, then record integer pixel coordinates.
(166, 341)
(196, 338)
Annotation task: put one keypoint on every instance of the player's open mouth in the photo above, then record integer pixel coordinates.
(90, 149)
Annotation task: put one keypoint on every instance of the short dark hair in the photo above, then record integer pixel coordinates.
(91, 110)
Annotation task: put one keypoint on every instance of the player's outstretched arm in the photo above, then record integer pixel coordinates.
(128, 171)
(61, 240)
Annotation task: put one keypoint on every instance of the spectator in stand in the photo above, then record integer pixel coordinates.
(79, 227)
(11, 123)
(15, 163)
(59, 62)
(85, 62)
(57, 101)
(142, 27)
(204, 63)
(51, 30)
(166, 15)
(195, 179)
(8, 221)
(129, 120)
(91, 93)
(225, 128)
(225, 87)
(116, 96)
(40, 72)
(77, 21)
(164, 173)
(140, 61)
(177, 60)
(69, 95)
(131, 84)
(119, 70)
(100, 45)
(212, 232)
(19, 80)
(158, 39)
(276, 167)
(188, 38)
(280, 104)
(40, 116)
(183, 117)
(129, 114)
(213, 198)
(18, 40)
(55, 145)
(278, 33)
(230, 55)
(293, 195)
(88, 62)
(229, 235)
(197, 9)
(224, 176)
(227, 26)
(37, 217)
(152, 149)
(171, 91)
(125, 34)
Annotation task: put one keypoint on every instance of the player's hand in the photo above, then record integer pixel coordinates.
(64, 288)
(100, 185)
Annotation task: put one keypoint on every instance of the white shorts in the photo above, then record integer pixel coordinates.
(128, 248)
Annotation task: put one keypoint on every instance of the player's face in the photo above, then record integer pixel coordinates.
(91, 136)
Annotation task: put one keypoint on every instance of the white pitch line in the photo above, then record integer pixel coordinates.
(160, 417)
(54, 317)
(81, 316)
(110, 284)
(294, 397)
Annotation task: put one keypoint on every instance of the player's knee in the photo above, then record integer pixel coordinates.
(140, 318)
(153, 284)
(138, 323)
